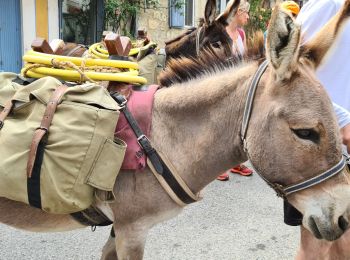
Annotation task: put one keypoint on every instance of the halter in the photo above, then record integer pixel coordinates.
(198, 36)
(282, 191)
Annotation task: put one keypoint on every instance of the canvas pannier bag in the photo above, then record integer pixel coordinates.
(76, 156)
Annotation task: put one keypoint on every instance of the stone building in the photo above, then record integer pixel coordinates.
(167, 22)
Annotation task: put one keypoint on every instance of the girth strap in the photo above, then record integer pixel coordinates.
(91, 216)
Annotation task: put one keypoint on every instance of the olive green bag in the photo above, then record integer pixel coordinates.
(77, 155)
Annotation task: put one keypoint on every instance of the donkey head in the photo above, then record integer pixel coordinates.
(211, 33)
(300, 127)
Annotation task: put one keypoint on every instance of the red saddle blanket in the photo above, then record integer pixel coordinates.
(140, 104)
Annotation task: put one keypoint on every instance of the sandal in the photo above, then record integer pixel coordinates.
(242, 170)
(223, 177)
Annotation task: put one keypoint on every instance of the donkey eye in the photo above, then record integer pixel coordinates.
(307, 134)
(216, 44)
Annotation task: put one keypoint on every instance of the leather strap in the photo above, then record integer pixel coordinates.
(315, 180)
(250, 98)
(41, 131)
(5, 112)
(173, 184)
(91, 216)
(72, 51)
(163, 172)
(141, 138)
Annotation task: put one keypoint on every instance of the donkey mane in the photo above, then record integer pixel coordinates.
(183, 69)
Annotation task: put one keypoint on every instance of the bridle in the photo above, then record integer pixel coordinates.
(198, 37)
(282, 191)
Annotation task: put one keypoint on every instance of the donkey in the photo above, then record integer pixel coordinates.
(210, 33)
(189, 126)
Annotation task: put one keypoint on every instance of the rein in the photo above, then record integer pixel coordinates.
(282, 191)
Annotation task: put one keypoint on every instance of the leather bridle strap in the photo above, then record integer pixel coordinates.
(198, 36)
(282, 191)
(250, 98)
(315, 180)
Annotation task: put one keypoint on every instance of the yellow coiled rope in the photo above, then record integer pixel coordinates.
(98, 51)
(80, 69)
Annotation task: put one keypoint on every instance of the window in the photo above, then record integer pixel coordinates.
(223, 4)
(182, 16)
(81, 21)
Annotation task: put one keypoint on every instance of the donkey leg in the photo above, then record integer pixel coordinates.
(130, 241)
(109, 250)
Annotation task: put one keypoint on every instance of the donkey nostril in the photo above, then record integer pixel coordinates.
(343, 223)
(314, 228)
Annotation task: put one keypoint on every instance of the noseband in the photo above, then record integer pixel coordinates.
(282, 191)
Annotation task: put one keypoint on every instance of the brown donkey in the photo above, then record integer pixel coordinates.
(292, 136)
(211, 33)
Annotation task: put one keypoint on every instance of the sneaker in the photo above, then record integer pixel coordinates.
(223, 177)
(242, 170)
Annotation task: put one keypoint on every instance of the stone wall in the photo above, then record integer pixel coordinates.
(156, 22)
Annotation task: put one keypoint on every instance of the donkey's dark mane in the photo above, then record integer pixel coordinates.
(186, 68)
(179, 70)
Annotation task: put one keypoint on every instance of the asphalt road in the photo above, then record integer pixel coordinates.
(239, 219)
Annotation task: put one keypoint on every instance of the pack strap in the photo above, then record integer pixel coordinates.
(5, 112)
(37, 147)
(157, 165)
(91, 216)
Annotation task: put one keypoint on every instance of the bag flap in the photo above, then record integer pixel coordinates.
(90, 93)
(46, 84)
(7, 87)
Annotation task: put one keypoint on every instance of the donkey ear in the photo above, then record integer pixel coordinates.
(283, 40)
(231, 9)
(210, 12)
(315, 49)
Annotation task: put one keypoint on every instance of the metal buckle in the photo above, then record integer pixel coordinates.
(141, 137)
(42, 128)
(124, 101)
(279, 189)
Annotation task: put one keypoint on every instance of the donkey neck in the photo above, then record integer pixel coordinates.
(197, 124)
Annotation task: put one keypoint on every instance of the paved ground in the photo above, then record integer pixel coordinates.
(239, 219)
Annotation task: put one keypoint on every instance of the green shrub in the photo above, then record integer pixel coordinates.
(258, 17)
(120, 15)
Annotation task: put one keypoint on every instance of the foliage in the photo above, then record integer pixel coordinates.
(258, 17)
(177, 3)
(121, 14)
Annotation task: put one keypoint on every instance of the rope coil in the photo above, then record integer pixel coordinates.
(80, 69)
